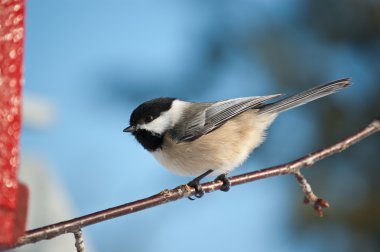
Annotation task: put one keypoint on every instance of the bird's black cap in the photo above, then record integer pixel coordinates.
(150, 110)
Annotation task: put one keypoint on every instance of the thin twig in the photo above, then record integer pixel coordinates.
(310, 196)
(79, 242)
(185, 191)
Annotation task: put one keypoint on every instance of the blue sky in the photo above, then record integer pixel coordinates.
(95, 61)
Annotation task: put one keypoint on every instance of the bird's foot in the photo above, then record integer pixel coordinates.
(226, 182)
(195, 183)
(199, 192)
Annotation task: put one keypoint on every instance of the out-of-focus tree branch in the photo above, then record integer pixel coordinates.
(184, 191)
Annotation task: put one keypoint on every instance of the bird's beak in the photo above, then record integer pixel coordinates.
(129, 129)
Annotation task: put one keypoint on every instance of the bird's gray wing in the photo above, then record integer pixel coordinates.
(216, 114)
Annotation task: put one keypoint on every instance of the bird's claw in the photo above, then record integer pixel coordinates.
(195, 183)
(199, 192)
(226, 182)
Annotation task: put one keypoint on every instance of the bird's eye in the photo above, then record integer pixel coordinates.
(149, 118)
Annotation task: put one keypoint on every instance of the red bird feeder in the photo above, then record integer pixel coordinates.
(13, 195)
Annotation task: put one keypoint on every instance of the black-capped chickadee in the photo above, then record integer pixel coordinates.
(212, 138)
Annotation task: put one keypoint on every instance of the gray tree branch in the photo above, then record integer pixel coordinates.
(184, 191)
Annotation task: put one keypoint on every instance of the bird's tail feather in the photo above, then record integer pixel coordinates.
(305, 96)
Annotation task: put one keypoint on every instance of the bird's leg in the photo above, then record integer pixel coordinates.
(226, 182)
(195, 183)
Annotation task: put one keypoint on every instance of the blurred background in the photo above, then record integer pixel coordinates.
(88, 64)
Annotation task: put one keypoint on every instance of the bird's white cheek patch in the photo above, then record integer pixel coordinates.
(167, 119)
(159, 125)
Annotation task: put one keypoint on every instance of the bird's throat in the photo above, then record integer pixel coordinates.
(149, 140)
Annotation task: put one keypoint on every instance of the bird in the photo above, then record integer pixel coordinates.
(202, 139)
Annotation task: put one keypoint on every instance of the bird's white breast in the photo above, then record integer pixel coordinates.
(221, 150)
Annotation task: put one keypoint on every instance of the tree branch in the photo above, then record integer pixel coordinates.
(310, 196)
(184, 191)
(79, 243)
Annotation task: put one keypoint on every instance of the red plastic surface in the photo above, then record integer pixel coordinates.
(13, 196)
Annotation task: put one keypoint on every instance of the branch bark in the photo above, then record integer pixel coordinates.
(79, 243)
(184, 191)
